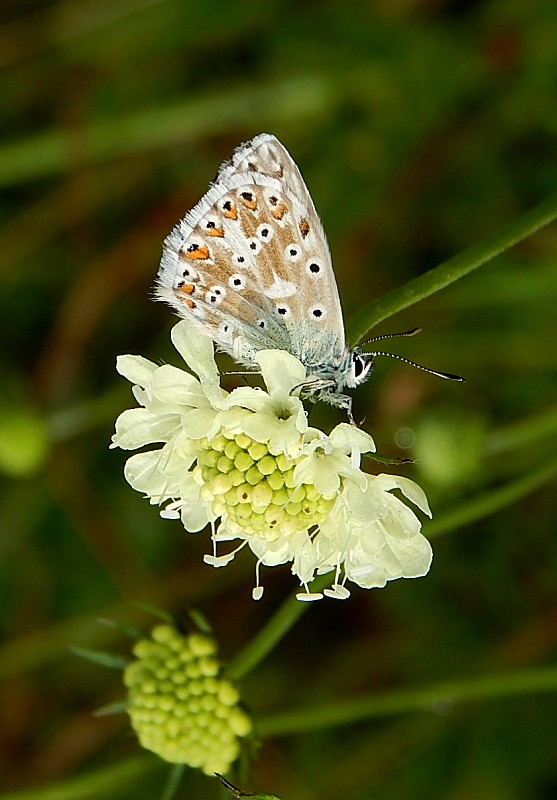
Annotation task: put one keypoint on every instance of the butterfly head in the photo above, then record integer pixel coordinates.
(354, 367)
(358, 367)
(327, 381)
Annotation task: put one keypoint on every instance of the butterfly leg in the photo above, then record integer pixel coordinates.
(345, 401)
(314, 389)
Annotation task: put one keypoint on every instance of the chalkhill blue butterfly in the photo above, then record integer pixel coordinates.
(249, 265)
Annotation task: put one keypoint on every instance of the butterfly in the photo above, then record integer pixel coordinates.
(250, 266)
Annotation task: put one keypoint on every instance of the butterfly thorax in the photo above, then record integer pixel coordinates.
(326, 381)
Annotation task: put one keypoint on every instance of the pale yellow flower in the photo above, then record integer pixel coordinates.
(248, 463)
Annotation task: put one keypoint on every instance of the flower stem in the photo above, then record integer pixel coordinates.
(523, 433)
(451, 270)
(491, 501)
(173, 781)
(277, 627)
(437, 698)
(271, 634)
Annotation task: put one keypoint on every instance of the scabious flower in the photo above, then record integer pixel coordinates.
(180, 706)
(247, 464)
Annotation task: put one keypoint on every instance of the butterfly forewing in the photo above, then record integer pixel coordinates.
(250, 263)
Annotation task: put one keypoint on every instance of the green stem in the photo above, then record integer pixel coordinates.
(437, 698)
(453, 269)
(271, 634)
(174, 778)
(491, 501)
(523, 433)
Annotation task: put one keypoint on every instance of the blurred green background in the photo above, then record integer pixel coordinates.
(421, 126)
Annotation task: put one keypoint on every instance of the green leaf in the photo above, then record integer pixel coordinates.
(118, 707)
(100, 657)
(394, 461)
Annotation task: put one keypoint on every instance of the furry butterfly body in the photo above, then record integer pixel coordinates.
(249, 265)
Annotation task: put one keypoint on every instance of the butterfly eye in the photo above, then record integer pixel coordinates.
(361, 368)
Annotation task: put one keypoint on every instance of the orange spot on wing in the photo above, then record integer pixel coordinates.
(304, 228)
(279, 211)
(187, 288)
(198, 253)
(247, 199)
(231, 212)
(189, 302)
(216, 231)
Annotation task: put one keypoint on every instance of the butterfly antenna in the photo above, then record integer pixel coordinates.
(413, 332)
(447, 375)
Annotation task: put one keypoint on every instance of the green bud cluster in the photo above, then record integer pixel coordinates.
(255, 490)
(179, 707)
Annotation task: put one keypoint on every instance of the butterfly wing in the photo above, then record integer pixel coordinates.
(250, 265)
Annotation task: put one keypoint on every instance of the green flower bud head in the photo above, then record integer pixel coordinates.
(255, 490)
(179, 706)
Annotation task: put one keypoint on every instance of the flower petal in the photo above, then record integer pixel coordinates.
(409, 489)
(413, 556)
(319, 470)
(177, 387)
(143, 474)
(281, 371)
(198, 352)
(136, 369)
(199, 422)
(251, 397)
(194, 511)
(136, 427)
(347, 437)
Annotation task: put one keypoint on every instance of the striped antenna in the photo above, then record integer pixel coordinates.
(447, 375)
